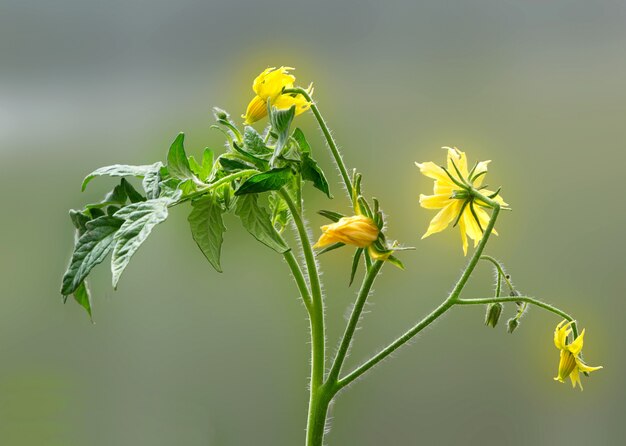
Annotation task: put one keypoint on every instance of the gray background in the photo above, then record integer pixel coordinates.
(183, 355)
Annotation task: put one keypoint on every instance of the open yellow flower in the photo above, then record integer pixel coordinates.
(455, 203)
(570, 364)
(269, 86)
(358, 230)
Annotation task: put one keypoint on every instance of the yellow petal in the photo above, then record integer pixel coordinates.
(434, 201)
(285, 101)
(577, 345)
(270, 83)
(257, 109)
(575, 377)
(357, 230)
(460, 160)
(463, 235)
(443, 218)
(584, 367)
(567, 364)
(480, 167)
(431, 170)
(471, 227)
(560, 334)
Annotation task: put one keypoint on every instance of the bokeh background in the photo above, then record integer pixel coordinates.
(183, 355)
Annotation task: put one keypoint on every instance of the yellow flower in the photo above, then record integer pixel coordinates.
(358, 230)
(269, 86)
(455, 202)
(570, 363)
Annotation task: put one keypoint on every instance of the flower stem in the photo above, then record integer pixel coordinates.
(440, 310)
(354, 320)
(329, 138)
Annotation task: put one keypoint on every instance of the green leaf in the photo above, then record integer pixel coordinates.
(207, 228)
(355, 264)
(281, 121)
(152, 179)
(298, 135)
(139, 220)
(203, 170)
(79, 220)
(177, 162)
(257, 222)
(273, 179)
(91, 249)
(231, 163)
(331, 215)
(121, 170)
(312, 172)
(253, 143)
(395, 262)
(131, 192)
(83, 297)
(279, 210)
(117, 196)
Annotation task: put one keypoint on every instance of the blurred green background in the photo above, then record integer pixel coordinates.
(183, 355)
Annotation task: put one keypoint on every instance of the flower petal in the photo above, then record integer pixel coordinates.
(560, 334)
(577, 345)
(443, 218)
(460, 160)
(434, 201)
(257, 109)
(431, 170)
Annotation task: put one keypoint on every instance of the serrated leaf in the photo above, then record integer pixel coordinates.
(298, 135)
(138, 221)
(257, 222)
(177, 162)
(253, 142)
(83, 297)
(131, 192)
(312, 172)
(151, 180)
(202, 170)
(331, 215)
(90, 250)
(120, 170)
(207, 228)
(273, 179)
(281, 121)
(356, 260)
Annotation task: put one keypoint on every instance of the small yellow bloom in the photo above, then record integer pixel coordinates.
(269, 86)
(570, 363)
(358, 230)
(454, 203)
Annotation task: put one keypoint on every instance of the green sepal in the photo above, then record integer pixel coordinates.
(207, 228)
(355, 264)
(395, 262)
(331, 215)
(257, 222)
(330, 248)
(273, 179)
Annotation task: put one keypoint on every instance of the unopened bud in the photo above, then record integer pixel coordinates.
(492, 315)
(512, 324)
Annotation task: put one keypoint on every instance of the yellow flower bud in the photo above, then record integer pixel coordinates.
(269, 86)
(357, 230)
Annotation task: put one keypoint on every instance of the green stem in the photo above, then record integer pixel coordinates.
(354, 320)
(227, 179)
(526, 299)
(329, 138)
(294, 266)
(500, 269)
(318, 406)
(440, 310)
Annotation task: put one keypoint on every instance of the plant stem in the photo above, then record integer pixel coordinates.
(441, 309)
(344, 346)
(318, 405)
(329, 138)
(213, 186)
(294, 266)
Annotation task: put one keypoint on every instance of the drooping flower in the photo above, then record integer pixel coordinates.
(452, 196)
(570, 363)
(269, 86)
(358, 230)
